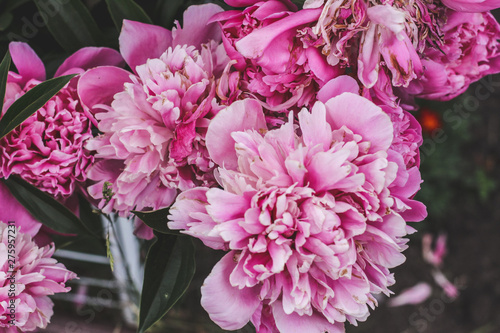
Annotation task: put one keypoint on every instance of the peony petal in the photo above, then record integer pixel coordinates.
(362, 117)
(228, 306)
(337, 86)
(140, 42)
(99, 85)
(196, 29)
(472, 5)
(295, 323)
(239, 116)
(28, 64)
(90, 57)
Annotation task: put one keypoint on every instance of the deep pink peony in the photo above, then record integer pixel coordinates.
(472, 5)
(47, 149)
(313, 217)
(153, 123)
(470, 50)
(273, 65)
(36, 276)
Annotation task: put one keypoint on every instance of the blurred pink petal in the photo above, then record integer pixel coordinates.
(414, 295)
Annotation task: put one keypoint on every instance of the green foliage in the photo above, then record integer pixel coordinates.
(169, 269)
(30, 102)
(4, 71)
(157, 220)
(70, 23)
(126, 9)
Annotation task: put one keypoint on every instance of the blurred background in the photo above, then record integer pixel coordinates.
(461, 171)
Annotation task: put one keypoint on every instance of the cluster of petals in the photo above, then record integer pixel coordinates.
(268, 54)
(47, 149)
(34, 277)
(153, 122)
(469, 51)
(313, 217)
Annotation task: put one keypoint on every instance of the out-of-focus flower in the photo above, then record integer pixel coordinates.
(308, 215)
(47, 148)
(413, 295)
(472, 5)
(429, 119)
(153, 123)
(470, 50)
(35, 276)
(434, 257)
(449, 288)
(274, 66)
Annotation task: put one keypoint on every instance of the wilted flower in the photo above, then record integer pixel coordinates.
(266, 46)
(469, 51)
(309, 215)
(26, 285)
(154, 122)
(47, 148)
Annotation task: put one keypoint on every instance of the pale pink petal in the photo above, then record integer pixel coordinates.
(414, 295)
(361, 116)
(90, 57)
(28, 64)
(337, 86)
(99, 85)
(239, 116)
(140, 42)
(229, 307)
(196, 29)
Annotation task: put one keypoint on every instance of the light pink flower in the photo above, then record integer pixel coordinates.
(472, 5)
(266, 46)
(413, 295)
(35, 276)
(309, 216)
(469, 51)
(47, 149)
(153, 123)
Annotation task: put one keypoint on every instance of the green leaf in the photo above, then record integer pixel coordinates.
(169, 269)
(157, 220)
(169, 10)
(45, 208)
(89, 217)
(30, 102)
(4, 71)
(126, 9)
(70, 23)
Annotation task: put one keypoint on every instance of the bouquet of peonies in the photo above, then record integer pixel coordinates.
(279, 132)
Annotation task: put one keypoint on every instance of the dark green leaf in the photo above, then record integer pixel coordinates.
(4, 71)
(169, 11)
(5, 20)
(157, 220)
(126, 9)
(89, 218)
(45, 208)
(169, 269)
(70, 23)
(30, 102)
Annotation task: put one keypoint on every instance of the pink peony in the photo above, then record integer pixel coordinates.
(266, 47)
(153, 123)
(47, 149)
(469, 51)
(472, 5)
(313, 217)
(35, 276)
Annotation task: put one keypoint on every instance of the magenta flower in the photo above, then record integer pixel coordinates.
(153, 123)
(313, 217)
(472, 5)
(469, 51)
(47, 149)
(24, 293)
(265, 44)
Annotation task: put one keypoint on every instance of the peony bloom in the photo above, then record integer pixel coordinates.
(313, 217)
(153, 122)
(469, 51)
(472, 5)
(47, 148)
(265, 45)
(35, 276)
